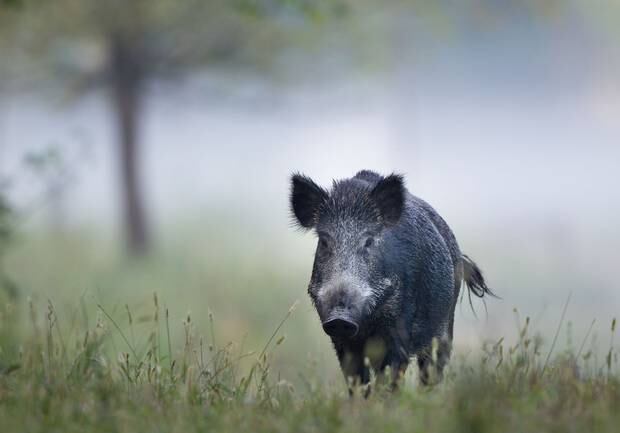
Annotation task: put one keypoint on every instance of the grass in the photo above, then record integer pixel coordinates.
(97, 344)
(84, 380)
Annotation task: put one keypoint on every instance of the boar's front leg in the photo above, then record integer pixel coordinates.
(397, 373)
(356, 363)
(352, 365)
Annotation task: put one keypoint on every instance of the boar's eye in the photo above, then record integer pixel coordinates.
(369, 242)
(324, 241)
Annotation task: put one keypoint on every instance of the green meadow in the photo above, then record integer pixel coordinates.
(215, 333)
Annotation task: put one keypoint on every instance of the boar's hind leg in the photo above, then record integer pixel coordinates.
(431, 367)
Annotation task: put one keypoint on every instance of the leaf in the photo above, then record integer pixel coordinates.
(11, 3)
(11, 368)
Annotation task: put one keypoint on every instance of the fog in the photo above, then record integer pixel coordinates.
(513, 139)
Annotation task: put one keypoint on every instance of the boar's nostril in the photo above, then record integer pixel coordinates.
(339, 327)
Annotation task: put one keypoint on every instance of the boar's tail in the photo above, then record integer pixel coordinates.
(472, 275)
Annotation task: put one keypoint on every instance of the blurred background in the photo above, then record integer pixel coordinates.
(146, 147)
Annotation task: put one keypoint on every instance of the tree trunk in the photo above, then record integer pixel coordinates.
(127, 76)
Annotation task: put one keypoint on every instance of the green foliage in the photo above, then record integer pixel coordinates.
(5, 222)
(168, 37)
(10, 3)
(316, 10)
(8, 289)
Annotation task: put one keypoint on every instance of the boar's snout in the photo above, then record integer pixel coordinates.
(340, 325)
(340, 306)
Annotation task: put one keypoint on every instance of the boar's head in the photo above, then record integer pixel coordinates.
(351, 278)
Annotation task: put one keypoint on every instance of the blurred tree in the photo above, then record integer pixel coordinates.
(8, 289)
(6, 224)
(123, 45)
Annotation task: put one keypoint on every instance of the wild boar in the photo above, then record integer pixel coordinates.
(386, 276)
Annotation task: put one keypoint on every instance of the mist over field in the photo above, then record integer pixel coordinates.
(503, 118)
(526, 181)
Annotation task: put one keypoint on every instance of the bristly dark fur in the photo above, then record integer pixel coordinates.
(306, 198)
(389, 194)
(369, 176)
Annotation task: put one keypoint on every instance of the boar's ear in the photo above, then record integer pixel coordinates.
(306, 198)
(389, 196)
